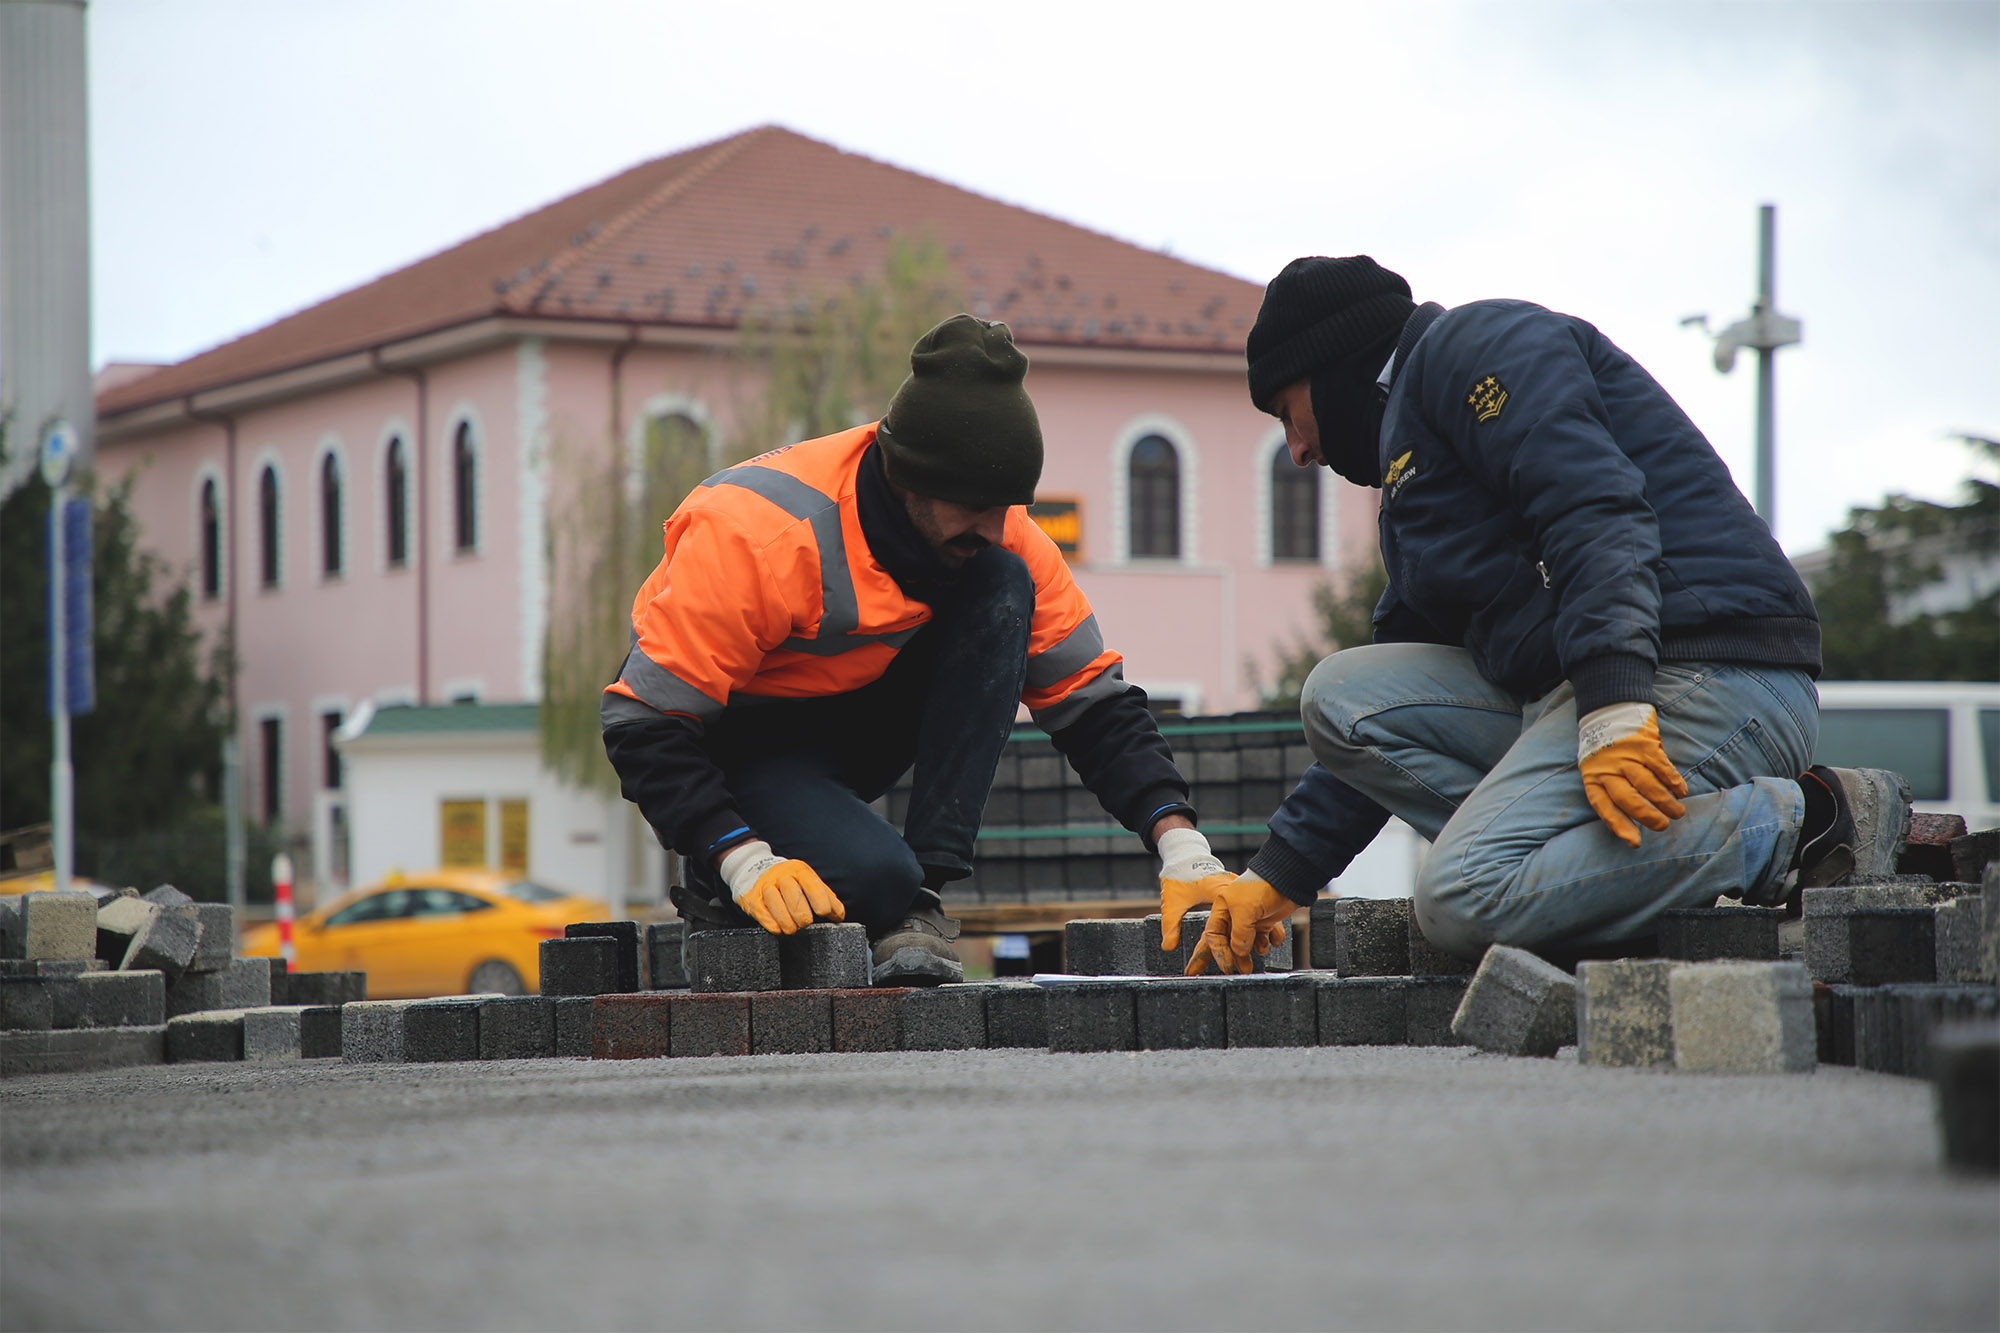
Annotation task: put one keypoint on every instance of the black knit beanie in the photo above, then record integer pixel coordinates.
(1318, 311)
(961, 428)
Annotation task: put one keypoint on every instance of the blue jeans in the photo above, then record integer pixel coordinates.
(803, 771)
(1518, 857)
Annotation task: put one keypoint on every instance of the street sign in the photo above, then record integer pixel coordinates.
(59, 447)
(71, 653)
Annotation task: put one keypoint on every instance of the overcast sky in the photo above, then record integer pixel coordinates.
(250, 157)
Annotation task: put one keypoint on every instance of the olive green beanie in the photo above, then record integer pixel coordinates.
(961, 428)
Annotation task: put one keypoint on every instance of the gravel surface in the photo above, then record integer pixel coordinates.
(1320, 1188)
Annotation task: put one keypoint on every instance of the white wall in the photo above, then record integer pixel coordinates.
(576, 839)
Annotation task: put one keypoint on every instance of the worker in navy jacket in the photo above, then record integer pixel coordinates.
(1587, 633)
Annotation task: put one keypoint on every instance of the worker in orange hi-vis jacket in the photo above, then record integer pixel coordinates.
(831, 614)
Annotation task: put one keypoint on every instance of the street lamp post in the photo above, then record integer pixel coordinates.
(1765, 330)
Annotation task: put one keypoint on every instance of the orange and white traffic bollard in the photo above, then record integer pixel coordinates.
(281, 891)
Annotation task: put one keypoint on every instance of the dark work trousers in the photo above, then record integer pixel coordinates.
(803, 771)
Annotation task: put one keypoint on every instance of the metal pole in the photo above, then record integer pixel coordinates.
(1767, 360)
(62, 777)
(232, 822)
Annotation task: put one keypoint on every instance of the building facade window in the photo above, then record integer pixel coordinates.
(334, 776)
(396, 495)
(332, 555)
(271, 738)
(674, 462)
(270, 568)
(1294, 508)
(211, 540)
(465, 488)
(1154, 499)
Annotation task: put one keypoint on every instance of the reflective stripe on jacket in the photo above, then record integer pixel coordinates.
(767, 588)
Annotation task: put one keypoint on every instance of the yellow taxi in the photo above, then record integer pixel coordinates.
(442, 932)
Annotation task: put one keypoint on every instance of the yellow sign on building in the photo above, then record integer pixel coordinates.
(514, 836)
(1061, 517)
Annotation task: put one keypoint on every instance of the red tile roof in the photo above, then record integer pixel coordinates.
(752, 222)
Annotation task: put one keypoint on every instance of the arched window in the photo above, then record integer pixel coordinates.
(675, 462)
(267, 526)
(330, 513)
(1154, 504)
(1294, 508)
(396, 492)
(465, 488)
(211, 540)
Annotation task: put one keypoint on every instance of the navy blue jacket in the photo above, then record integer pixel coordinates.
(1548, 507)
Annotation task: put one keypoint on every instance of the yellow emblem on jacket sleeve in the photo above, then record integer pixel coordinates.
(1487, 397)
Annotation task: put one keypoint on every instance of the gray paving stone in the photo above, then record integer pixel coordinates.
(58, 925)
(791, 1022)
(27, 1003)
(1971, 854)
(1106, 948)
(825, 956)
(215, 945)
(1625, 1013)
(733, 960)
(663, 956)
(1431, 1003)
(1833, 1022)
(319, 1032)
(116, 921)
(1989, 929)
(1960, 959)
(1965, 1069)
(164, 944)
(1017, 1015)
(1743, 1018)
(943, 1018)
(1319, 935)
(711, 1024)
(215, 1034)
(1093, 1017)
(45, 968)
(1362, 1011)
(323, 988)
(517, 1027)
(626, 1026)
(1371, 937)
(1276, 1012)
(23, 1053)
(1186, 1015)
(582, 966)
(1162, 962)
(1517, 1004)
(11, 942)
(166, 895)
(626, 933)
(371, 1031)
(275, 1032)
(247, 983)
(111, 1000)
(1887, 945)
(1893, 1024)
(435, 1031)
(1708, 934)
(194, 992)
(574, 1017)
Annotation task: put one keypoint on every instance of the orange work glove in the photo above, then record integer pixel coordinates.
(781, 896)
(1189, 877)
(1246, 913)
(1626, 773)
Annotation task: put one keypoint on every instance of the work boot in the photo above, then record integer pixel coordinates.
(918, 952)
(1857, 820)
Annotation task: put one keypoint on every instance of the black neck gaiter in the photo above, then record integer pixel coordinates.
(894, 539)
(1347, 404)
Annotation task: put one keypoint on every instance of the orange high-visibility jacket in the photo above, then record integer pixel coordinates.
(767, 588)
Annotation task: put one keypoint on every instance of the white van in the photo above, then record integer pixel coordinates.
(1944, 736)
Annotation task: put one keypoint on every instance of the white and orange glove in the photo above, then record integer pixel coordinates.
(1247, 913)
(781, 896)
(1626, 773)
(1189, 877)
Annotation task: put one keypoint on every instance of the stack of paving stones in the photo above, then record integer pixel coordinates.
(100, 979)
(1044, 837)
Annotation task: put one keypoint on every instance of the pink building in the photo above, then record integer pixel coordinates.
(363, 489)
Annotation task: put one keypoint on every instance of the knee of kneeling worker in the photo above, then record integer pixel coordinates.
(1001, 578)
(1321, 707)
(876, 880)
(1448, 917)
